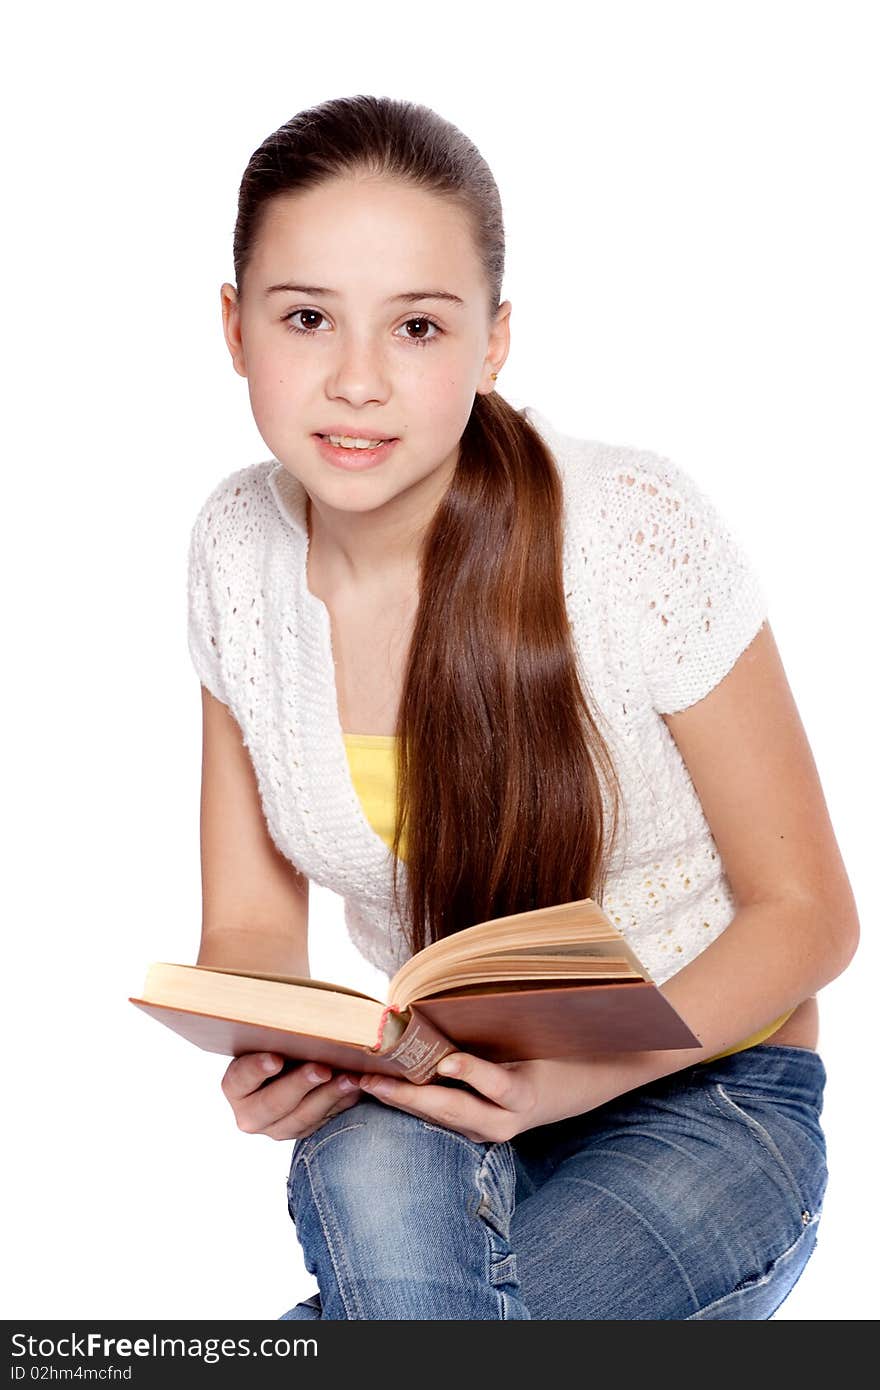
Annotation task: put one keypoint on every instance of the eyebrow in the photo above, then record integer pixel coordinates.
(408, 296)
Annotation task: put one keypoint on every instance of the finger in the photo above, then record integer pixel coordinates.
(462, 1110)
(292, 1127)
(497, 1083)
(248, 1072)
(286, 1101)
(277, 1093)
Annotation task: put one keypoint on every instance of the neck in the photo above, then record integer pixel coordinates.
(365, 554)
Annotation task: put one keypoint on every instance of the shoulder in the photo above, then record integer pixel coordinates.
(228, 549)
(640, 495)
(239, 505)
(621, 492)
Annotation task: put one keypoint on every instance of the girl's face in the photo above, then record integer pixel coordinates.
(369, 353)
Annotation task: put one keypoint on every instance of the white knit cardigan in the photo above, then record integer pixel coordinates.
(661, 598)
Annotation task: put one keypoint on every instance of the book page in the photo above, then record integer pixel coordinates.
(594, 950)
(536, 969)
(266, 1000)
(555, 929)
(305, 980)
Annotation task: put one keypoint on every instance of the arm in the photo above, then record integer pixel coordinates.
(255, 908)
(255, 905)
(795, 929)
(796, 926)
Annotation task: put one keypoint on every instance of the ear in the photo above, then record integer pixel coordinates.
(232, 327)
(498, 348)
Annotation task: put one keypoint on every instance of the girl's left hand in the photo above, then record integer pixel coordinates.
(506, 1105)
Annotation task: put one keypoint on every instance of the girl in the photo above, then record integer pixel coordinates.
(457, 664)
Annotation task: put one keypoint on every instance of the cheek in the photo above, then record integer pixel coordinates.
(276, 408)
(443, 393)
(446, 402)
(267, 393)
(274, 387)
(265, 404)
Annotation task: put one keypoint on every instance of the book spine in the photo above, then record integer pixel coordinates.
(419, 1048)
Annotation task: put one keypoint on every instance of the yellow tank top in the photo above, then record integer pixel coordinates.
(371, 762)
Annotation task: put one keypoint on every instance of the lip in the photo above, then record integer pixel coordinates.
(353, 460)
(353, 433)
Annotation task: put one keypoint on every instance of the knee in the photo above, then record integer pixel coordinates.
(384, 1165)
(400, 1217)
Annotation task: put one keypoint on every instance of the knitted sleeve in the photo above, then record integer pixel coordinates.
(701, 600)
(203, 626)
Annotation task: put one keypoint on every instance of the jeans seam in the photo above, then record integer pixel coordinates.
(766, 1142)
(757, 1280)
(496, 1224)
(305, 1150)
(337, 1251)
(501, 1151)
(478, 1150)
(641, 1217)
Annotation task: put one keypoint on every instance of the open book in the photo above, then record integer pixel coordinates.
(556, 982)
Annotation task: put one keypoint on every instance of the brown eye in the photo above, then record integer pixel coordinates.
(302, 314)
(422, 336)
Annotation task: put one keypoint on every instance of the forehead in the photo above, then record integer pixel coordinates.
(351, 232)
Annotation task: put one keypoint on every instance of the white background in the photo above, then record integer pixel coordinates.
(689, 194)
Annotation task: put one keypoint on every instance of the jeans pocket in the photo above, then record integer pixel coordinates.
(806, 1187)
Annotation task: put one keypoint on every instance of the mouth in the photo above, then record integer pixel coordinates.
(347, 434)
(355, 455)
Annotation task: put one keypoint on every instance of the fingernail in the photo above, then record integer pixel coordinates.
(270, 1064)
(376, 1085)
(345, 1083)
(318, 1074)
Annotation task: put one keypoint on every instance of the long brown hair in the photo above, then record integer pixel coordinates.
(500, 764)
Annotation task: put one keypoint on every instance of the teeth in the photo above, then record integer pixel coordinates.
(347, 441)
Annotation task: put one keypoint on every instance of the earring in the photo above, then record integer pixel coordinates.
(494, 376)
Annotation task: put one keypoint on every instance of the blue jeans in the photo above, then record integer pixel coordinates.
(694, 1196)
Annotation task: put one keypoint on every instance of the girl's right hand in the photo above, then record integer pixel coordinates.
(294, 1104)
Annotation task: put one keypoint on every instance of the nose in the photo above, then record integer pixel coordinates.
(360, 373)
